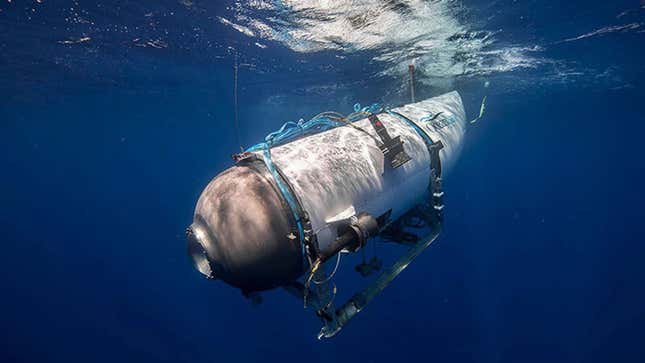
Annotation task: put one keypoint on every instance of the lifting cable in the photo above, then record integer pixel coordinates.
(331, 275)
(236, 68)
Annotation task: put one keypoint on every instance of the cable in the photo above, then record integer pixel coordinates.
(235, 105)
(332, 273)
(331, 300)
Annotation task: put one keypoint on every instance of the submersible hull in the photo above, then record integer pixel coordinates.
(244, 230)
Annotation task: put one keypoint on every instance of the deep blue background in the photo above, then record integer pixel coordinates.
(103, 158)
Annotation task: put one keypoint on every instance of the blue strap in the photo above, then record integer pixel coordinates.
(286, 192)
(416, 128)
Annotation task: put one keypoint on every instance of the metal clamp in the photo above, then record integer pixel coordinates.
(392, 148)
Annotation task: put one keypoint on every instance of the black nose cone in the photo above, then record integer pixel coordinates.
(243, 231)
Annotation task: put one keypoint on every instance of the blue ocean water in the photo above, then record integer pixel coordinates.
(115, 115)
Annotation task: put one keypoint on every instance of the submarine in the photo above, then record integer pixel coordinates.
(316, 189)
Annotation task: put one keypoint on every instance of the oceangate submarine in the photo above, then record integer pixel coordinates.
(316, 189)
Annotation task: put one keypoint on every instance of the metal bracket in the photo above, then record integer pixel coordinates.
(243, 156)
(358, 302)
(392, 148)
